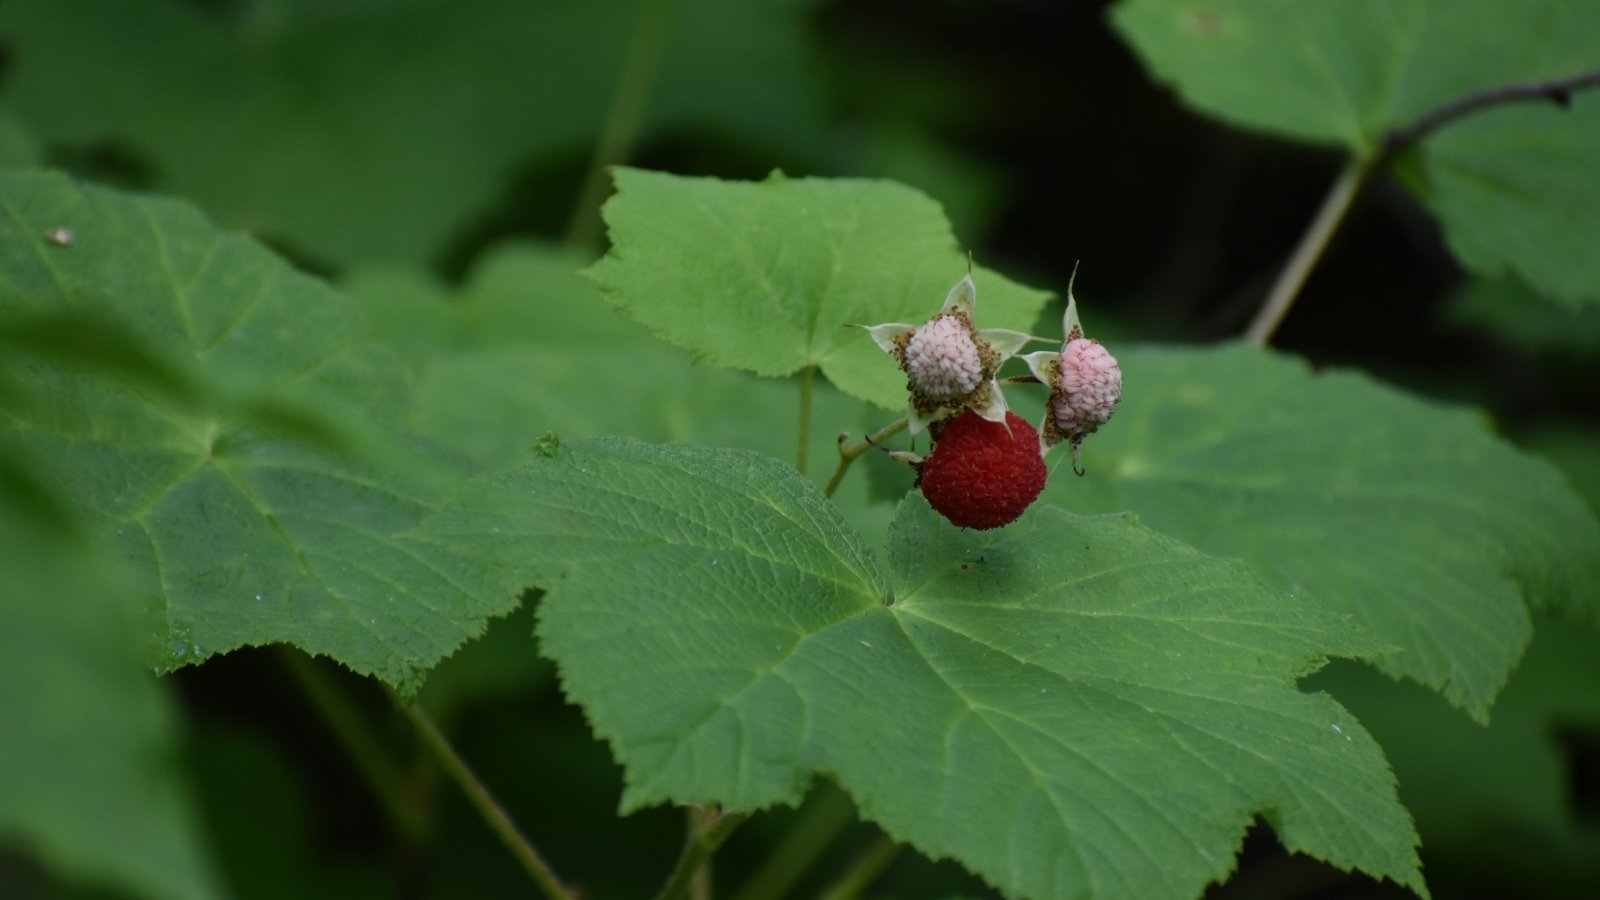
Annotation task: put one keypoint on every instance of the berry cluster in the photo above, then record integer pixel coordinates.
(987, 463)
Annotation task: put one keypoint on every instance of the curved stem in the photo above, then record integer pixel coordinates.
(862, 872)
(847, 455)
(697, 849)
(1310, 249)
(484, 802)
(625, 118)
(807, 376)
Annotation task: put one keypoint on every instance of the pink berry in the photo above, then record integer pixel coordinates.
(1088, 390)
(943, 360)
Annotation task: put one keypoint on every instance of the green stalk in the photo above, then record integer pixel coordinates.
(1310, 249)
(814, 829)
(625, 118)
(704, 838)
(847, 455)
(867, 868)
(493, 814)
(343, 720)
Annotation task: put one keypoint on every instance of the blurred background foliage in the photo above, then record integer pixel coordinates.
(443, 160)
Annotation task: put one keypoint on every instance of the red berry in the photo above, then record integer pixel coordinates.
(982, 476)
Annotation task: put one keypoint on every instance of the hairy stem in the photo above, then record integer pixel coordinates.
(807, 376)
(484, 802)
(710, 829)
(863, 871)
(847, 455)
(624, 119)
(1310, 249)
(813, 830)
(381, 774)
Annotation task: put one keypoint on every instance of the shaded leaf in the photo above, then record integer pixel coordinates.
(89, 781)
(1069, 705)
(377, 130)
(239, 530)
(1410, 516)
(765, 276)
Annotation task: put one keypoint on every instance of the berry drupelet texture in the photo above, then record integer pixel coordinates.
(982, 475)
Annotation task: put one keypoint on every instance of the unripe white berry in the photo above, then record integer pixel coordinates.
(1090, 386)
(943, 360)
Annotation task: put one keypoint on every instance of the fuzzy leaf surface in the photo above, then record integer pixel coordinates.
(765, 276)
(259, 493)
(1408, 515)
(1512, 185)
(1068, 706)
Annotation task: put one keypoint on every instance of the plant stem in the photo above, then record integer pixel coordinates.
(343, 720)
(1312, 244)
(807, 376)
(1557, 90)
(861, 873)
(487, 806)
(816, 827)
(847, 455)
(624, 119)
(707, 833)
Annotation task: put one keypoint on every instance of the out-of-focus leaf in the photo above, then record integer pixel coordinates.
(376, 130)
(19, 146)
(1513, 186)
(238, 529)
(88, 779)
(1070, 706)
(1508, 311)
(765, 276)
(1410, 516)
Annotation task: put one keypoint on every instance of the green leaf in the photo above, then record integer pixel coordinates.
(1407, 515)
(765, 276)
(1511, 185)
(239, 529)
(1515, 190)
(89, 782)
(1070, 705)
(1509, 312)
(379, 130)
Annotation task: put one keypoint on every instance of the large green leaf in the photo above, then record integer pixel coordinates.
(1410, 516)
(766, 276)
(239, 529)
(1513, 187)
(1070, 706)
(89, 782)
(377, 130)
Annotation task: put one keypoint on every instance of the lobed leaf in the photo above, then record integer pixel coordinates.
(766, 276)
(1512, 186)
(1409, 516)
(1070, 706)
(260, 489)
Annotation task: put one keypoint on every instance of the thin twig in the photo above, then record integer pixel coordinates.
(487, 806)
(1306, 254)
(697, 849)
(847, 455)
(1556, 90)
(807, 376)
